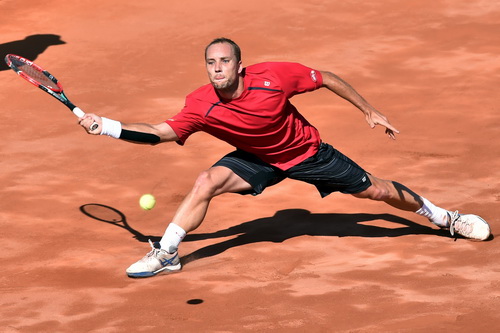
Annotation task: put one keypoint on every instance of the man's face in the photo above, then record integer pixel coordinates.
(222, 67)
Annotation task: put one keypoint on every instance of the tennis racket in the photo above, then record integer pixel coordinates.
(39, 77)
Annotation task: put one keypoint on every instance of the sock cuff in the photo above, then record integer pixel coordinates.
(172, 238)
(177, 230)
(435, 214)
(426, 209)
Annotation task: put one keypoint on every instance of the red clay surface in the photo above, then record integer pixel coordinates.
(286, 260)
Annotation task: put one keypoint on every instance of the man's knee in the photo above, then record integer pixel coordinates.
(206, 185)
(380, 190)
(218, 180)
(380, 193)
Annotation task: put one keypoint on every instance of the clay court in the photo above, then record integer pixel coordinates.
(284, 261)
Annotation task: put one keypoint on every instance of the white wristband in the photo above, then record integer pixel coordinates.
(111, 128)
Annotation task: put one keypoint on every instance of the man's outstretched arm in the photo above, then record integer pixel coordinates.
(140, 133)
(347, 92)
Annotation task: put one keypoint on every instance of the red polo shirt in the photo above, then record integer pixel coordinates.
(262, 121)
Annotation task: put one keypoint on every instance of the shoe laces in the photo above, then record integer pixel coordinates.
(156, 255)
(458, 225)
(154, 250)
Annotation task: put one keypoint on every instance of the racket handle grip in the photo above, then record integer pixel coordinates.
(80, 114)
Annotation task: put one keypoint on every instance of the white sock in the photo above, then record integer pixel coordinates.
(436, 215)
(172, 238)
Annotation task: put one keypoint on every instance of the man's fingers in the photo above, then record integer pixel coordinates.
(390, 133)
(392, 128)
(377, 119)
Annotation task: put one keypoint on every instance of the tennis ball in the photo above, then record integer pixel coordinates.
(147, 201)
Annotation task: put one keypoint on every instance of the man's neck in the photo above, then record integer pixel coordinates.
(233, 92)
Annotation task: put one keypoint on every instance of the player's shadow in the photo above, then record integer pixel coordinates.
(283, 225)
(290, 223)
(30, 47)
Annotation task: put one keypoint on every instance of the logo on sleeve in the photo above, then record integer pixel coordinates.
(313, 76)
(267, 83)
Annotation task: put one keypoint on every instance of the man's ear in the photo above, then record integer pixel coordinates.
(240, 68)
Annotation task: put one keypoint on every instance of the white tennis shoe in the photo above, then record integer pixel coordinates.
(157, 261)
(469, 225)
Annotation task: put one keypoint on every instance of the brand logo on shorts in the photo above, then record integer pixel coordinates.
(364, 179)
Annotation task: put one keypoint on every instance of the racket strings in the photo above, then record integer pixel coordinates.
(35, 73)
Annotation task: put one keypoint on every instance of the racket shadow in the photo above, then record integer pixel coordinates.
(114, 217)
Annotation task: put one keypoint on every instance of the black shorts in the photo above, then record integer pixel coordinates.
(329, 170)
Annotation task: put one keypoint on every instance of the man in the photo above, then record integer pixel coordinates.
(250, 109)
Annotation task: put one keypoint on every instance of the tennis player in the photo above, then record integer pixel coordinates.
(250, 109)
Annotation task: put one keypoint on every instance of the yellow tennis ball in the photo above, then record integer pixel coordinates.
(147, 201)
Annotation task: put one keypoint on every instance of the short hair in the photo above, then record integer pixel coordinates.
(221, 40)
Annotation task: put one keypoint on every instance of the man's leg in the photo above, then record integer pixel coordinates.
(394, 194)
(164, 258)
(190, 214)
(401, 197)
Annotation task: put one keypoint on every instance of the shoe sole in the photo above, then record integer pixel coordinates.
(164, 270)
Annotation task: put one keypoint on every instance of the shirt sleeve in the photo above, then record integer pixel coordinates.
(186, 122)
(296, 78)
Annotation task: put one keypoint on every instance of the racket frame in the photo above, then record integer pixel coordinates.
(56, 92)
